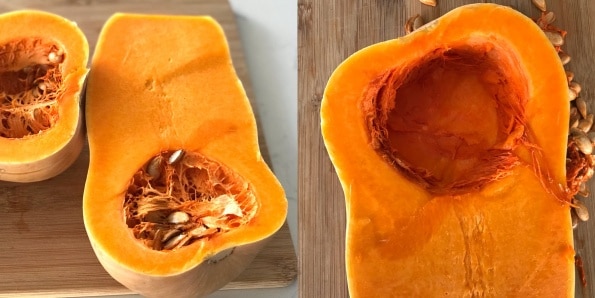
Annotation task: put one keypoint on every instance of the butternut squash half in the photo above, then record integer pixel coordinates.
(43, 59)
(178, 199)
(450, 147)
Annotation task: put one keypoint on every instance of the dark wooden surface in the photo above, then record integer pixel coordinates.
(328, 32)
(44, 250)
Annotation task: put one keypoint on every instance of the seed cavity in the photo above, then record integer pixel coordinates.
(169, 205)
(30, 86)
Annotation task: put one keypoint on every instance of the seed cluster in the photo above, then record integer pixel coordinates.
(30, 88)
(178, 198)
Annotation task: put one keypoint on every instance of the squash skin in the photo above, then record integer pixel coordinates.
(47, 154)
(183, 93)
(404, 241)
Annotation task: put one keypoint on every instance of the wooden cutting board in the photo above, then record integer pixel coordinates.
(328, 32)
(44, 250)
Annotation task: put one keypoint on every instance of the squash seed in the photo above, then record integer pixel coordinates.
(581, 140)
(576, 87)
(591, 136)
(175, 157)
(178, 217)
(572, 95)
(563, 57)
(574, 219)
(583, 190)
(586, 124)
(55, 57)
(581, 105)
(413, 23)
(155, 167)
(539, 4)
(569, 75)
(157, 240)
(171, 233)
(174, 241)
(581, 210)
(428, 2)
(555, 38)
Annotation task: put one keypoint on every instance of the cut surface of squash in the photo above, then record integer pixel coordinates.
(450, 146)
(178, 199)
(43, 60)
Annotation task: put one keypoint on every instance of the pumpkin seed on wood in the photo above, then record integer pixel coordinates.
(413, 23)
(569, 76)
(563, 57)
(581, 210)
(581, 140)
(539, 4)
(586, 124)
(574, 86)
(583, 190)
(574, 218)
(581, 105)
(428, 2)
(572, 95)
(555, 38)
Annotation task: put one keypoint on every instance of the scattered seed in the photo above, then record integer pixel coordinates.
(555, 38)
(574, 123)
(586, 124)
(413, 23)
(41, 86)
(581, 105)
(584, 145)
(583, 190)
(539, 4)
(574, 219)
(564, 57)
(155, 167)
(548, 17)
(591, 136)
(178, 217)
(576, 87)
(175, 157)
(174, 241)
(582, 141)
(428, 2)
(572, 95)
(581, 210)
(569, 75)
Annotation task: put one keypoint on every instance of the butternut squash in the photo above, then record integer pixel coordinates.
(178, 199)
(450, 146)
(43, 60)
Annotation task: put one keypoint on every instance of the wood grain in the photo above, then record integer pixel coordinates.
(331, 30)
(44, 249)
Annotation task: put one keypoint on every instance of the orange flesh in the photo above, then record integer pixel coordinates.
(216, 199)
(460, 115)
(30, 87)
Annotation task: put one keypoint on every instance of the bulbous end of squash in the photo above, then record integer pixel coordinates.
(42, 68)
(450, 146)
(178, 199)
